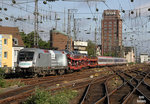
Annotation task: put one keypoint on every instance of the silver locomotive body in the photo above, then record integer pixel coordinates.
(39, 61)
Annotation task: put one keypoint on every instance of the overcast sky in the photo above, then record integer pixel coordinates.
(136, 27)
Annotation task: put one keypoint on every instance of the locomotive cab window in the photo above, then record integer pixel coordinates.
(26, 56)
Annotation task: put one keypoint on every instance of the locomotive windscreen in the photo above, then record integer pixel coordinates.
(26, 56)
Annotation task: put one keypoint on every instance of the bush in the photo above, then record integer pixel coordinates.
(2, 72)
(131, 63)
(63, 97)
(2, 81)
(44, 97)
(40, 97)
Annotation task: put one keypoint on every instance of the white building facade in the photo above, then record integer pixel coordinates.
(129, 54)
(143, 58)
(15, 51)
(80, 46)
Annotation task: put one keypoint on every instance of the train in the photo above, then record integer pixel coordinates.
(35, 62)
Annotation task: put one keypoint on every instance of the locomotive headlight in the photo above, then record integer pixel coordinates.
(33, 63)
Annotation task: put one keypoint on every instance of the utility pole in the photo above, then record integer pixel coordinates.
(64, 20)
(69, 30)
(55, 21)
(95, 40)
(36, 37)
(74, 28)
(69, 45)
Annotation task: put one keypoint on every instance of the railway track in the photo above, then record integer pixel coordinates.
(136, 83)
(95, 91)
(22, 93)
(132, 90)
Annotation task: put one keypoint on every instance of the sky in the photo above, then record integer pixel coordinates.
(136, 26)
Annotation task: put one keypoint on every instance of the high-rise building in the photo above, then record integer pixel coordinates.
(111, 36)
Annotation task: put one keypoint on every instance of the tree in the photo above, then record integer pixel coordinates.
(28, 40)
(90, 48)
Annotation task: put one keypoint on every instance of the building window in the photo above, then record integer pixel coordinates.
(5, 66)
(105, 34)
(5, 54)
(15, 52)
(105, 37)
(110, 22)
(105, 28)
(105, 25)
(110, 31)
(5, 41)
(110, 35)
(105, 22)
(110, 28)
(15, 41)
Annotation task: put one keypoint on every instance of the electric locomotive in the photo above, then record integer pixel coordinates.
(33, 61)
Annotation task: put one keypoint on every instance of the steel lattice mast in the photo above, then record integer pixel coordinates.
(36, 35)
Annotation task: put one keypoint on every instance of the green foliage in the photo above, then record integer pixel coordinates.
(2, 72)
(28, 40)
(43, 44)
(90, 48)
(40, 97)
(131, 63)
(44, 97)
(110, 54)
(63, 97)
(2, 81)
(14, 82)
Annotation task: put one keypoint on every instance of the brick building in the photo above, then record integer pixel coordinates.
(111, 36)
(59, 40)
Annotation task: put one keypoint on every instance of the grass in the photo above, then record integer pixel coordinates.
(5, 84)
(2, 81)
(42, 96)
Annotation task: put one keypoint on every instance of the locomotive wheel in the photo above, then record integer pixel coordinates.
(70, 71)
(61, 71)
(35, 75)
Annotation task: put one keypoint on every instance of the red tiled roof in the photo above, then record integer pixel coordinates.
(14, 31)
